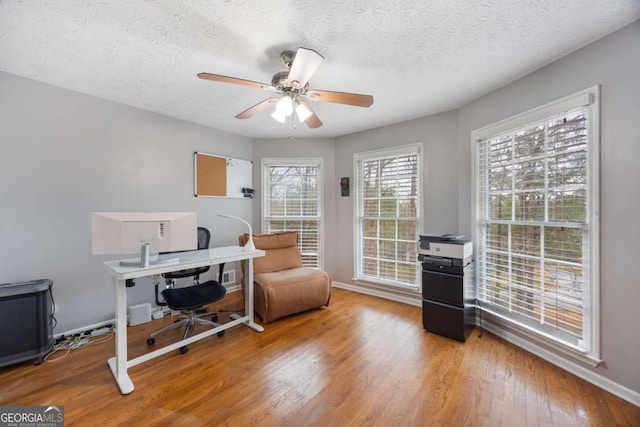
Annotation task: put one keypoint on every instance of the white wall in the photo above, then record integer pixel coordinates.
(65, 155)
(614, 64)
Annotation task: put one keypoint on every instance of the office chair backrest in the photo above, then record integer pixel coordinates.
(204, 236)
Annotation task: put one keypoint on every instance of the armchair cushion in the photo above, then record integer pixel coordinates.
(281, 252)
(282, 285)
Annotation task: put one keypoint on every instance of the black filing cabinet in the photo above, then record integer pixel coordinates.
(448, 301)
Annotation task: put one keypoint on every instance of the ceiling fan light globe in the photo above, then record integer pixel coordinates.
(278, 116)
(284, 106)
(303, 112)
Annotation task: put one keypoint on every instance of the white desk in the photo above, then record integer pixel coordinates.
(119, 364)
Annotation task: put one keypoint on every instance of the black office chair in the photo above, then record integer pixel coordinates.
(191, 299)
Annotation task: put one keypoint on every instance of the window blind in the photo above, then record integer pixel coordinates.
(533, 209)
(292, 202)
(388, 201)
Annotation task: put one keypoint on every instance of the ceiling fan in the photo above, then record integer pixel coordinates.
(293, 90)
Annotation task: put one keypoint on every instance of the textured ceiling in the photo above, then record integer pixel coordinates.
(416, 57)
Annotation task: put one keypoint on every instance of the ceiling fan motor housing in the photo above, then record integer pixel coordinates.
(287, 57)
(279, 81)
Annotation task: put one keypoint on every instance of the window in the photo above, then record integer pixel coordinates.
(292, 201)
(536, 229)
(388, 206)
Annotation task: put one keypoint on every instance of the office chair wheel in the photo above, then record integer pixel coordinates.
(214, 317)
(184, 349)
(151, 341)
(221, 333)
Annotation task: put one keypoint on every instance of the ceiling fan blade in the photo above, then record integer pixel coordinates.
(312, 121)
(304, 65)
(340, 97)
(234, 80)
(258, 107)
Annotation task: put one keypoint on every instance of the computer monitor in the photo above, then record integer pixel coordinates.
(145, 233)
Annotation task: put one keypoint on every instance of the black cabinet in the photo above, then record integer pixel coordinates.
(448, 300)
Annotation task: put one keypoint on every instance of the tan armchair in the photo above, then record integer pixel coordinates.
(282, 286)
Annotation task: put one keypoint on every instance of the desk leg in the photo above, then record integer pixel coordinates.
(118, 364)
(248, 302)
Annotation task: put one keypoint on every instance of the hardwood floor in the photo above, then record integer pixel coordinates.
(363, 361)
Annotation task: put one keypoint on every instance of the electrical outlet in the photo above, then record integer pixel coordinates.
(228, 277)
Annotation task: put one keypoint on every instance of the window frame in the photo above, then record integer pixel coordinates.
(404, 150)
(589, 97)
(266, 163)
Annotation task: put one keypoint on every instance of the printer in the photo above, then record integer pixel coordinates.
(456, 251)
(448, 285)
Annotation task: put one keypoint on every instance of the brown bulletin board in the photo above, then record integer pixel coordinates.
(220, 176)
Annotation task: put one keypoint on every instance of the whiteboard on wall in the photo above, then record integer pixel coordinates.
(221, 176)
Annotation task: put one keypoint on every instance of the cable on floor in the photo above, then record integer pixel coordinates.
(74, 343)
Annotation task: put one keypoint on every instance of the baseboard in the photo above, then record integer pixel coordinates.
(233, 288)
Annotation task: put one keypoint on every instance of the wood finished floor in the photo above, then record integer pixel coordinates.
(363, 361)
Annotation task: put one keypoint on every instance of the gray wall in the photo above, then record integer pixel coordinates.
(614, 63)
(438, 134)
(65, 155)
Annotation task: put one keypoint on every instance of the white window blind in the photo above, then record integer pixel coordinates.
(292, 202)
(388, 215)
(535, 228)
